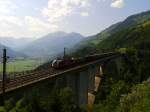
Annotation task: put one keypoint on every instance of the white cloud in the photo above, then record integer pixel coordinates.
(101, 0)
(35, 24)
(10, 25)
(11, 20)
(6, 6)
(117, 4)
(84, 14)
(57, 9)
(24, 26)
(29, 26)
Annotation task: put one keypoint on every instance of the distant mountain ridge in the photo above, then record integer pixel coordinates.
(128, 22)
(137, 36)
(15, 43)
(11, 53)
(52, 44)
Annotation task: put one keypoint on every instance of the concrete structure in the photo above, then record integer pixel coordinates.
(85, 82)
(82, 80)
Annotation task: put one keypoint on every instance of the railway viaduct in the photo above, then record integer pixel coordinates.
(83, 80)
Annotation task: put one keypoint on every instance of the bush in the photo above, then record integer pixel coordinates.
(2, 109)
(138, 100)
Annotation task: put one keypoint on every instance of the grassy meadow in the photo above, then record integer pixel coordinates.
(21, 65)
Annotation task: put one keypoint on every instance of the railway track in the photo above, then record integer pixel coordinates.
(27, 78)
(36, 75)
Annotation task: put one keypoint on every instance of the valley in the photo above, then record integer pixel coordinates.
(21, 65)
(60, 81)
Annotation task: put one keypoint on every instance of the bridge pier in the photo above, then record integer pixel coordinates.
(83, 87)
(78, 83)
(72, 83)
(82, 82)
(118, 66)
(91, 78)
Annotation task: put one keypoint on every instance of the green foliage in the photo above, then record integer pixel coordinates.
(91, 49)
(138, 100)
(67, 94)
(58, 101)
(112, 99)
(135, 36)
(2, 109)
(122, 50)
(114, 96)
(9, 104)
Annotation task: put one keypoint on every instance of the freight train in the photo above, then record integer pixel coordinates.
(70, 62)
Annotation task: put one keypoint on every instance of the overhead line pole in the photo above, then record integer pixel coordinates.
(64, 53)
(4, 76)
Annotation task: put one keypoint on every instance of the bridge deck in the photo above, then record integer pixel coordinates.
(39, 75)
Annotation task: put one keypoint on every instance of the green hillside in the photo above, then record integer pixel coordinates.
(138, 100)
(137, 36)
(112, 35)
(123, 92)
(126, 91)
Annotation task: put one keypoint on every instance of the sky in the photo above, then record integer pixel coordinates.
(35, 18)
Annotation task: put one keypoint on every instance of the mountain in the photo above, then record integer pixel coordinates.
(93, 41)
(52, 44)
(137, 36)
(131, 32)
(121, 89)
(128, 22)
(11, 53)
(15, 43)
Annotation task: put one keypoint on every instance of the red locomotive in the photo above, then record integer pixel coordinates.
(62, 63)
(70, 62)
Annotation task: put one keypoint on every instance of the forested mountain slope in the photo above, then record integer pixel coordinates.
(131, 21)
(137, 36)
